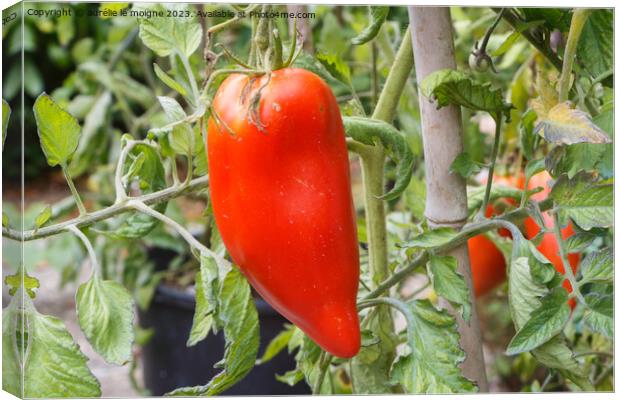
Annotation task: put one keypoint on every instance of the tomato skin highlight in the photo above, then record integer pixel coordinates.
(282, 201)
(549, 245)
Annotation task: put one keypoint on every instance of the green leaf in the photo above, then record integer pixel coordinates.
(291, 378)
(370, 131)
(336, 67)
(596, 45)
(59, 132)
(277, 344)
(183, 139)
(553, 18)
(169, 81)
(230, 298)
(574, 158)
(378, 14)
(546, 322)
(374, 360)
(201, 164)
(605, 121)
(132, 90)
(465, 166)
(203, 320)
(600, 314)
(6, 114)
(578, 242)
(598, 267)
(172, 108)
(22, 279)
(55, 366)
(11, 351)
(92, 135)
(524, 294)
(106, 312)
(514, 36)
(308, 358)
(475, 195)
(152, 177)
(43, 217)
(566, 125)
(165, 35)
(507, 44)
(448, 86)
(588, 203)
(533, 167)
(450, 284)
(433, 238)
(431, 368)
(529, 140)
(5, 220)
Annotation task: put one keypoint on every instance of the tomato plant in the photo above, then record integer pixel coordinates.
(343, 160)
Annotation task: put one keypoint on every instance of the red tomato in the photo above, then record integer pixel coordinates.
(549, 245)
(282, 201)
(488, 266)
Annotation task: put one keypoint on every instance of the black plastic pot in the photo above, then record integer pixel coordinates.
(169, 364)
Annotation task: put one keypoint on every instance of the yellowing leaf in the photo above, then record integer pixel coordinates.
(566, 125)
(547, 96)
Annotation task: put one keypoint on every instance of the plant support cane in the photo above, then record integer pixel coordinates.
(446, 202)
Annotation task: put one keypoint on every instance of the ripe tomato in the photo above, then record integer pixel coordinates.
(282, 200)
(488, 266)
(549, 245)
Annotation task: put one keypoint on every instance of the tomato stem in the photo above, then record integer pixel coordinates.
(580, 16)
(95, 271)
(261, 37)
(494, 152)
(324, 361)
(74, 192)
(568, 270)
(372, 160)
(395, 82)
(106, 213)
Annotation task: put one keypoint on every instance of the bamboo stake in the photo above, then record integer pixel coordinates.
(446, 195)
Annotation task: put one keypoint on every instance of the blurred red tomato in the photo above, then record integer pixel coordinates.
(549, 245)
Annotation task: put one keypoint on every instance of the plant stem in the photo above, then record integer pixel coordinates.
(372, 161)
(106, 213)
(580, 16)
(375, 77)
(487, 35)
(487, 192)
(262, 35)
(395, 82)
(74, 192)
(324, 361)
(121, 195)
(568, 270)
(594, 353)
(89, 247)
(397, 276)
(189, 238)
